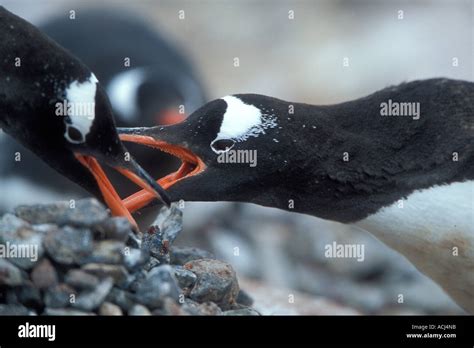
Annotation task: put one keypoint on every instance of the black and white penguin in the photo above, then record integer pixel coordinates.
(54, 105)
(148, 81)
(398, 163)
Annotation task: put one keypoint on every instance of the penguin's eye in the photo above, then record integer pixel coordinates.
(73, 135)
(222, 145)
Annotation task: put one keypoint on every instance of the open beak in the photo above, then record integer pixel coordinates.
(136, 174)
(191, 165)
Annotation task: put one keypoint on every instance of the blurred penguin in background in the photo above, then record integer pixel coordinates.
(148, 80)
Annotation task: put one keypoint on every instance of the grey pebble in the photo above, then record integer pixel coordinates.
(185, 278)
(216, 282)
(59, 296)
(69, 245)
(17, 238)
(90, 300)
(241, 312)
(29, 295)
(139, 310)
(10, 274)
(110, 309)
(122, 298)
(118, 273)
(65, 311)
(81, 280)
(158, 285)
(116, 228)
(244, 298)
(134, 258)
(107, 251)
(15, 309)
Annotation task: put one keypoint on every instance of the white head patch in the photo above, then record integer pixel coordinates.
(122, 91)
(241, 121)
(80, 98)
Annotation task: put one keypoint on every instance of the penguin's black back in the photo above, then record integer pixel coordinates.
(388, 157)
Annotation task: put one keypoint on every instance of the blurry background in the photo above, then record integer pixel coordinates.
(295, 50)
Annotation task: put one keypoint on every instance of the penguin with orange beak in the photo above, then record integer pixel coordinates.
(54, 105)
(398, 163)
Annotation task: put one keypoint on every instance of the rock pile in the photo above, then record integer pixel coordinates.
(74, 259)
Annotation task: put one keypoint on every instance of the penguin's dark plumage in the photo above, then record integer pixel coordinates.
(406, 177)
(54, 105)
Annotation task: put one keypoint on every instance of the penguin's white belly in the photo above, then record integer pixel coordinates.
(434, 229)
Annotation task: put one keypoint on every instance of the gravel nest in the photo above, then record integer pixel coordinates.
(72, 258)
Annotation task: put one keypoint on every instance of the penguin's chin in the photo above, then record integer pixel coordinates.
(191, 165)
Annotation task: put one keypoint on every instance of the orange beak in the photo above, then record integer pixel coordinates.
(191, 165)
(109, 193)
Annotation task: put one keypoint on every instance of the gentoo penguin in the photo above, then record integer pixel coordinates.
(398, 163)
(55, 106)
(148, 80)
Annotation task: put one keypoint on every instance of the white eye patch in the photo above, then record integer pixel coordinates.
(241, 121)
(80, 98)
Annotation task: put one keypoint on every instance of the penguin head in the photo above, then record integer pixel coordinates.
(227, 147)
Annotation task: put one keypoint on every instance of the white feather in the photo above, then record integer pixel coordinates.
(434, 229)
(241, 121)
(81, 96)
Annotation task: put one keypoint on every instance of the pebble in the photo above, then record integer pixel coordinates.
(10, 274)
(118, 273)
(122, 298)
(89, 301)
(17, 238)
(59, 296)
(216, 282)
(14, 309)
(42, 213)
(107, 251)
(81, 280)
(116, 228)
(241, 312)
(87, 212)
(44, 275)
(158, 285)
(134, 258)
(69, 245)
(110, 309)
(139, 309)
(65, 311)
(185, 278)
(162, 233)
(152, 262)
(29, 295)
(244, 298)
(182, 255)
